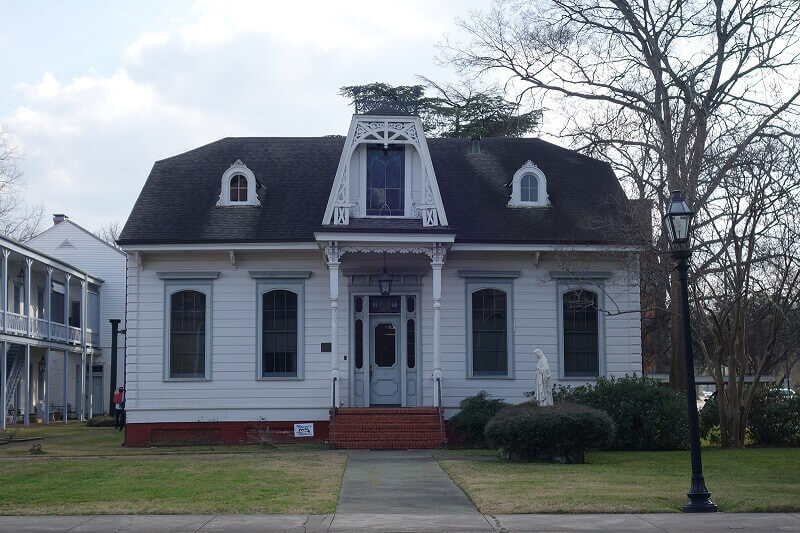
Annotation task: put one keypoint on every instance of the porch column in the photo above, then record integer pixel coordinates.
(6, 252)
(332, 255)
(4, 385)
(28, 400)
(46, 386)
(48, 293)
(67, 277)
(91, 387)
(66, 396)
(83, 349)
(27, 298)
(437, 262)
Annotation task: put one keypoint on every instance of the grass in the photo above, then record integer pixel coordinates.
(76, 439)
(236, 479)
(750, 480)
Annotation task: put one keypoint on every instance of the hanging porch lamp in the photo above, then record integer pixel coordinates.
(385, 279)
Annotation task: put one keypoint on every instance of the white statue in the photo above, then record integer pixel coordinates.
(543, 385)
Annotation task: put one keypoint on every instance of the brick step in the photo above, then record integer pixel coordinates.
(386, 427)
(390, 445)
(386, 411)
(382, 438)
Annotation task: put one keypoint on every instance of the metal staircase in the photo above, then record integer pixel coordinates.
(16, 360)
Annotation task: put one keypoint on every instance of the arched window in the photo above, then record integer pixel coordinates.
(529, 188)
(279, 334)
(489, 332)
(581, 341)
(238, 188)
(385, 180)
(187, 335)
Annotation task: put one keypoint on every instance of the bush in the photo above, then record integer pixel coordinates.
(100, 422)
(774, 419)
(709, 418)
(647, 414)
(468, 425)
(561, 433)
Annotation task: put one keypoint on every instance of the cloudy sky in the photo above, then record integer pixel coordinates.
(93, 92)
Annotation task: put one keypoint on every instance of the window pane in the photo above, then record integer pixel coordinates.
(529, 188)
(385, 345)
(279, 333)
(187, 334)
(385, 180)
(581, 348)
(489, 332)
(359, 342)
(411, 344)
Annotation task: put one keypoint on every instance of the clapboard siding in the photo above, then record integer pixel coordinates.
(234, 393)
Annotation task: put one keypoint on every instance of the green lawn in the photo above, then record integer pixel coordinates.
(288, 479)
(751, 480)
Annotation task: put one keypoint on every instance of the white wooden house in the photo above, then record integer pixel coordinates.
(54, 347)
(360, 283)
(71, 243)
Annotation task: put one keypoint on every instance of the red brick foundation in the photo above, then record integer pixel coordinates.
(208, 433)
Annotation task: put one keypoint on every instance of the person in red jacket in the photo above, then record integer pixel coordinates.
(119, 409)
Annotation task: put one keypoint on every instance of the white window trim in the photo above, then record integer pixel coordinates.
(491, 281)
(296, 285)
(172, 286)
(516, 189)
(225, 186)
(596, 286)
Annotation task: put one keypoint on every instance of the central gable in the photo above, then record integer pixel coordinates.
(385, 171)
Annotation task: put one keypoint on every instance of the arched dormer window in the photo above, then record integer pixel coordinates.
(529, 187)
(238, 186)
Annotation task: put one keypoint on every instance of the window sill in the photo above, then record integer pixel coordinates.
(178, 380)
(478, 376)
(279, 378)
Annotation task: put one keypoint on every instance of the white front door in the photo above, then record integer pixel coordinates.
(385, 361)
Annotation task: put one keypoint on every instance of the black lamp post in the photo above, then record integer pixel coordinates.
(678, 222)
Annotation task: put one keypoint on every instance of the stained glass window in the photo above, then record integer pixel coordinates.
(385, 180)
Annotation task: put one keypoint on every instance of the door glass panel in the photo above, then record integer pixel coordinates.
(359, 334)
(384, 304)
(411, 341)
(385, 347)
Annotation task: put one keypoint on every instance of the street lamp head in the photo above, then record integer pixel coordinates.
(385, 279)
(678, 220)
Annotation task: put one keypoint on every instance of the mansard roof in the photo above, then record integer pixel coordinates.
(177, 204)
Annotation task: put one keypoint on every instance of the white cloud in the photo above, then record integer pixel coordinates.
(224, 69)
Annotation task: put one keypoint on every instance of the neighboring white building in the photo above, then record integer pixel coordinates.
(73, 244)
(259, 273)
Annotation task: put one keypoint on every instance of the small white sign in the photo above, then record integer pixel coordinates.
(304, 430)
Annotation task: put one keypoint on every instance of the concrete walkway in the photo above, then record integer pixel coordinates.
(622, 523)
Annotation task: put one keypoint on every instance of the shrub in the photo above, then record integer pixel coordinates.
(100, 422)
(562, 433)
(774, 419)
(647, 414)
(468, 425)
(709, 418)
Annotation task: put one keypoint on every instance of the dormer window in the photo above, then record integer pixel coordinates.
(529, 187)
(238, 186)
(386, 187)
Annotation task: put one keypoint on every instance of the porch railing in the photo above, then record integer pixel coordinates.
(94, 337)
(58, 331)
(441, 411)
(333, 412)
(38, 328)
(16, 323)
(74, 335)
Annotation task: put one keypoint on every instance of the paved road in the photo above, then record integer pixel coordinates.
(405, 491)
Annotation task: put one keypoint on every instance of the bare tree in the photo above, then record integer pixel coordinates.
(19, 219)
(672, 92)
(109, 232)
